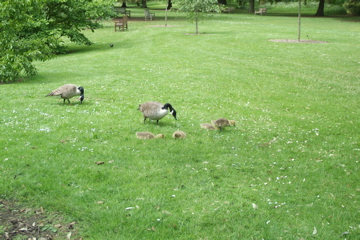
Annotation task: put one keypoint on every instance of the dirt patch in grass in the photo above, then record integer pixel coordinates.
(17, 222)
(163, 26)
(295, 41)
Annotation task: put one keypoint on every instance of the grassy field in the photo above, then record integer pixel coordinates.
(289, 169)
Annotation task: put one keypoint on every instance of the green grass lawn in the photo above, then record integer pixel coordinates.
(289, 169)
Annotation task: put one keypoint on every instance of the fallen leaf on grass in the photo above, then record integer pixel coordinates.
(173, 225)
(99, 163)
(71, 225)
(152, 229)
(39, 211)
(167, 212)
(58, 226)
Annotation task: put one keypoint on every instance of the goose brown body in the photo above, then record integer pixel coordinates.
(68, 91)
(156, 110)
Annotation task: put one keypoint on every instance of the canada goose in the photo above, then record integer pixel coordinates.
(207, 126)
(179, 134)
(221, 123)
(148, 135)
(68, 91)
(156, 110)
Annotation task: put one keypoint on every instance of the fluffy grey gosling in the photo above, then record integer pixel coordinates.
(148, 135)
(68, 91)
(221, 123)
(156, 110)
(207, 126)
(179, 134)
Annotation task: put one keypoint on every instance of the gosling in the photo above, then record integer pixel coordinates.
(179, 134)
(148, 135)
(207, 126)
(221, 123)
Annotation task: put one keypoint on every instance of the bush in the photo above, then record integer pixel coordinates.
(352, 7)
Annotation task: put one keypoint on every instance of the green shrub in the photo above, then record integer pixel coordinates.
(352, 7)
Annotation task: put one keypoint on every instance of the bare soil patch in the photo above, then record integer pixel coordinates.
(17, 222)
(296, 41)
(163, 26)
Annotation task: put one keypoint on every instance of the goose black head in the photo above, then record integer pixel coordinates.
(174, 113)
(81, 89)
(172, 110)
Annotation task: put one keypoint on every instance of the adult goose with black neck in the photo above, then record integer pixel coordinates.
(156, 110)
(68, 91)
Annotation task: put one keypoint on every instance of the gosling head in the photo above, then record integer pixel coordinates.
(160, 136)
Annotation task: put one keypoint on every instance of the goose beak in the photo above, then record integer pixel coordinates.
(81, 98)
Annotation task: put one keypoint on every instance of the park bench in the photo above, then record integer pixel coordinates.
(228, 10)
(261, 11)
(148, 15)
(123, 11)
(121, 24)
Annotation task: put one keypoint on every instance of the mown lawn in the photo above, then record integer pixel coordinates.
(287, 170)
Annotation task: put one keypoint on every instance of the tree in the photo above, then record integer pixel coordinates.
(195, 9)
(251, 6)
(33, 30)
(21, 42)
(320, 10)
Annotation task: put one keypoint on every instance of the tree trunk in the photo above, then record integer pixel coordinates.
(320, 10)
(299, 21)
(196, 22)
(169, 6)
(143, 4)
(251, 6)
(241, 3)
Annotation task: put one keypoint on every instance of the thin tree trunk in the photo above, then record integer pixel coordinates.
(166, 11)
(196, 22)
(299, 21)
